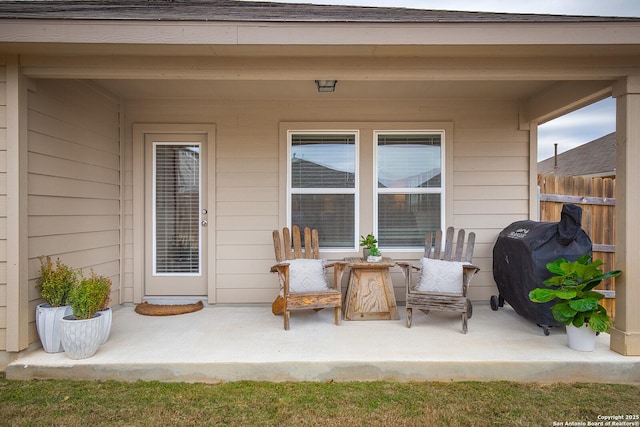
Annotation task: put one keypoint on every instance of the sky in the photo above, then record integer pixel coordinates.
(569, 131)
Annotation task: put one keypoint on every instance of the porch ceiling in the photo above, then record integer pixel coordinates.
(346, 89)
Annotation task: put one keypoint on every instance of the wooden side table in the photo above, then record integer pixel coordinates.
(370, 293)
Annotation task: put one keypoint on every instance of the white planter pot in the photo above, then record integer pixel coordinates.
(81, 338)
(106, 316)
(48, 326)
(581, 339)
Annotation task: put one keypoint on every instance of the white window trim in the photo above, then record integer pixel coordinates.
(364, 220)
(441, 190)
(355, 190)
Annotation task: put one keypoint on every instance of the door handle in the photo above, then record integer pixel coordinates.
(204, 222)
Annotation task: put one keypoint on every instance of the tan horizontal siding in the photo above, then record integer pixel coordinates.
(70, 108)
(73, 181)
(496, 192)
(256, 266)
(500, 136)
(65, 243)
(55, 147)
(52, 205)
(86, 259)
(247, 251)
(248, 165)
(47, 185)
(493, 149)
(245, 237)
(488, 178)
(247, 222)
(55, 225)
(54, 128)
(64, 168)
(234, 296)
(247, 208)
(485, 206)
(247, 179)
(235, 194)
(491, 164)
(490, 184)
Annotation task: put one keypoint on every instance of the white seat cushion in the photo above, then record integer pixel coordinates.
(307, 275)
(440, 276)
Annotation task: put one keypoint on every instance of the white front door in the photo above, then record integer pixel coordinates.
(176, 214)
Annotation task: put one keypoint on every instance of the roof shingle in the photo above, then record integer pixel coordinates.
(238, 11)
(596, 158)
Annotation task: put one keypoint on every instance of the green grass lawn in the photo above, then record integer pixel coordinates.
(71, 403)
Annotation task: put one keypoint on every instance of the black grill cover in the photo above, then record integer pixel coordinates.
(521, 255)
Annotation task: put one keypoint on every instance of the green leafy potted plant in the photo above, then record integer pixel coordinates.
(105, 312)
(367, 243)
(374, 254)
(55, 283)
(82, 330)
(577, 305)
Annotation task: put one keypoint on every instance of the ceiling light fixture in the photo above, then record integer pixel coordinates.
(326, 85)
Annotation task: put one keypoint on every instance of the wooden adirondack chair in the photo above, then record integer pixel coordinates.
(290, 299)
(457, 301)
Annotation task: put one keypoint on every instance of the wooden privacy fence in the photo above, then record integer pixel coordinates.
(596, 197)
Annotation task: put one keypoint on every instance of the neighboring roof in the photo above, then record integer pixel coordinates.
(233, 10)
(595, 158)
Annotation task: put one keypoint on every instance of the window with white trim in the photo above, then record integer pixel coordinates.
(410, 187)
(322, 185)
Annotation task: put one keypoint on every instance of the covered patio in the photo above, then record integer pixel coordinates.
(89, 91)
(234, 343)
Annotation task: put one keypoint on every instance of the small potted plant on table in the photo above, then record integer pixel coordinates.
(55, 283)
(82, 331)
(367, 243)
(374, 254)
(577, 304)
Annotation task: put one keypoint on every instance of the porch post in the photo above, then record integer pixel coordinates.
(625, 337)
(17, 336)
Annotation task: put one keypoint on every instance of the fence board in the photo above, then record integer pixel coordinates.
(596, 197)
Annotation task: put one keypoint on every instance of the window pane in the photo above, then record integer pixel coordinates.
(331, 214)
(323, 161)
(404, 218)
(177, 208)
(409, 161)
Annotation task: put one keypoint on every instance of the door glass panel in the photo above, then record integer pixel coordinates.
(176, 205)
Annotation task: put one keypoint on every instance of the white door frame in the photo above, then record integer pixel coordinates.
(138, 137)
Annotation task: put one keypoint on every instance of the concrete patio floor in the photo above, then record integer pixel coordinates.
(232, 343)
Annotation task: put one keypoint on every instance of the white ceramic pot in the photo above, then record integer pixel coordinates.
(581, 339)
(106, 316)
(81, 338)
(48, 326)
